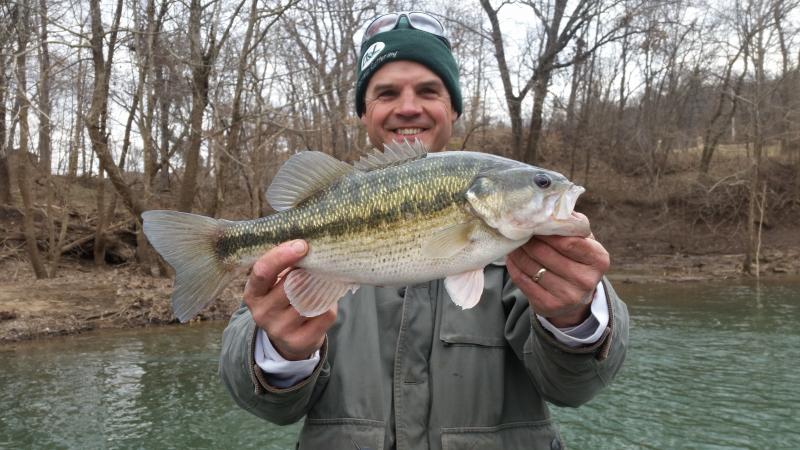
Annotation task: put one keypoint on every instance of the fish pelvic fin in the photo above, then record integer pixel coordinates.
(187, 242)
(465, 289)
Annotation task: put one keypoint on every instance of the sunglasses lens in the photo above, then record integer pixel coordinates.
(427, 23)
(417, 20)
(380, 25)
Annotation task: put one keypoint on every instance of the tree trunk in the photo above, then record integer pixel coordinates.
(76, 146)
(23, 177)
(5, 170)
(200, 73)
(716, 125)
(95, 122)
(45, 158)
(202, 61)
(531, 155)
(513, 102)
(100, 225)
(758, 104)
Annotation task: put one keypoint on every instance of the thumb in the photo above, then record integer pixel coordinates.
(273, 262)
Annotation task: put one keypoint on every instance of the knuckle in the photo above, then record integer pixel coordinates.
(587, 282)
(263, 269)
(604, 262)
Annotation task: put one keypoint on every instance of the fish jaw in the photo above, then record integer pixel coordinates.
(550, 215)
(565, 204)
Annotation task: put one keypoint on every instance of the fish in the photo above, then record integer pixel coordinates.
(395, 217)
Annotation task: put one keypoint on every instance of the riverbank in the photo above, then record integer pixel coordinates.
(83, 297)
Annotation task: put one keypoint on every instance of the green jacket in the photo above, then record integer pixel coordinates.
(407, 369)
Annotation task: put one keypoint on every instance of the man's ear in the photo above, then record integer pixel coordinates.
(455, 115)
(364, 119)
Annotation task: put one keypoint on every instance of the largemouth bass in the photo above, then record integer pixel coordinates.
(394, 218)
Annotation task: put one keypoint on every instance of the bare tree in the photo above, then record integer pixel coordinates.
(754, 20)
(6, 50)
(22, 12)
(560, 26)
(727, 100)
(202, 60)
(45, 107)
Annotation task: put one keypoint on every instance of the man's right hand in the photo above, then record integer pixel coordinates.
(295, 337)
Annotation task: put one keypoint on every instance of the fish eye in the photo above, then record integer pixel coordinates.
(542, 180)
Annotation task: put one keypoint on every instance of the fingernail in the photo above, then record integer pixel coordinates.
(298, 246)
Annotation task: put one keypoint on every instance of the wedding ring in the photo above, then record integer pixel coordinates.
(539, 274)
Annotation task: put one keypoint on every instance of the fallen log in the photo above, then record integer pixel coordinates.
(86, 239)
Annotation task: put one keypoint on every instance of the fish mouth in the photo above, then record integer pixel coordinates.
(566, 202)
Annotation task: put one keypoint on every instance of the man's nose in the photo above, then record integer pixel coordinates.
(409, 103)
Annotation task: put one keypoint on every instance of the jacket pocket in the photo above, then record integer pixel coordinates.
(341, 434)
(518, 435)
(483, 325)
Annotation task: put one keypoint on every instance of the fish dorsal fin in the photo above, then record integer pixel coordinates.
(302, 175)
(393, 154)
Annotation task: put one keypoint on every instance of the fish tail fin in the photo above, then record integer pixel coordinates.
(187, 242)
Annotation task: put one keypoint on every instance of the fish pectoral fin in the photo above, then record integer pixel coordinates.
(465, 289)
(312, 295)
(302, 175)
(447, 242)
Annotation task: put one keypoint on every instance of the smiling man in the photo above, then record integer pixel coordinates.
(403, 368)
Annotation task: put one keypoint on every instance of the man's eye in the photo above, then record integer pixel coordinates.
(386, 94)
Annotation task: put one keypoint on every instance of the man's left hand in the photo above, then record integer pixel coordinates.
(564, 292)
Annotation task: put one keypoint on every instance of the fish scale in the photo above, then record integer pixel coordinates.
(402, 218)
(351, 208)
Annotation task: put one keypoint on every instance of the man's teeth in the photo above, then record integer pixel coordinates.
(408, 131)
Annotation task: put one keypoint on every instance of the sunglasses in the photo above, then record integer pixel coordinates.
(416, 19)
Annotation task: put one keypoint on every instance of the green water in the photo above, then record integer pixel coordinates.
(709, 367)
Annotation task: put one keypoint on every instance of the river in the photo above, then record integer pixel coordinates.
(710, 366)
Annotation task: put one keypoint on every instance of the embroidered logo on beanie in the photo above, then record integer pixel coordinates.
(372, 52)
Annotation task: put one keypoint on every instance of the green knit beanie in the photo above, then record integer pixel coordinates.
(407, 44)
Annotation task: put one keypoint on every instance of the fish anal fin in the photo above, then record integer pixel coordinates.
(302, 175)
(312, 295)
(447, 242)
(465, 289)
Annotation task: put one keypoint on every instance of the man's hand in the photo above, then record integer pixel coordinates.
(564, 292)
(295, 337)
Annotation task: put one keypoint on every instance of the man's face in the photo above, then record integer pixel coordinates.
(405, 100)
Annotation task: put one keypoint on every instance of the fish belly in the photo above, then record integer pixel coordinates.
(394, 255)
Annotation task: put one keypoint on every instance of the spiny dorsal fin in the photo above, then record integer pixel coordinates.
(302, 175)
(393, 154)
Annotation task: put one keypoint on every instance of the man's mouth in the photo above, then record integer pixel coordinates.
(408, 131)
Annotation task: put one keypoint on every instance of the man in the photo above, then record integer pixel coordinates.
(403, 367)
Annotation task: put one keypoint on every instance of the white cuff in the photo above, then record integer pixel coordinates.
(590, 330)
(281, 372)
